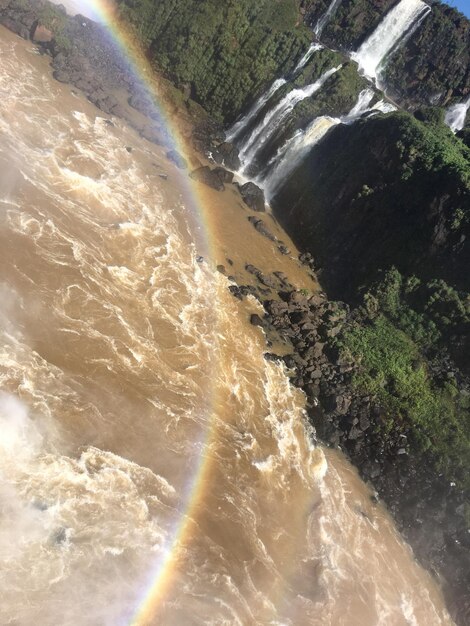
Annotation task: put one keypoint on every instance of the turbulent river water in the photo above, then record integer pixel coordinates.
(155, 469)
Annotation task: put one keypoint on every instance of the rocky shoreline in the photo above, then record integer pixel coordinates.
(429, 511)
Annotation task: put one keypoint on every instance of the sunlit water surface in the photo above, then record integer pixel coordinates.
(145, 442)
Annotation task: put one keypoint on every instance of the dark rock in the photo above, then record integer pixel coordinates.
(208, 177)
(251, 269)
(253, 196)
(221, 269)
(261, 227)
(236, 291)
(224, 175)
(298, 316)
(256, 320)
(227, 154)
(284, 249)
(268, 281)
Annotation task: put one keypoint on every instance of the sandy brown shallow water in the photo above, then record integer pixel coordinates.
(150, 457)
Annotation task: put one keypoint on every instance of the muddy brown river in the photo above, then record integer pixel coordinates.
(155, 468)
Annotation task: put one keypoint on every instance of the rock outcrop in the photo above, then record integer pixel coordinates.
(253, 196)
(384, 191)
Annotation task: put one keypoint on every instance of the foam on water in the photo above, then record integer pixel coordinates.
(127, 362)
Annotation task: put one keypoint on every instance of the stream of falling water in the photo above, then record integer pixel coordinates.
(145, 442)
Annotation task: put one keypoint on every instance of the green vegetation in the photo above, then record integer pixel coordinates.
(436, 58)
(337, 97)
(404, 202)
(225, 53)
(432, 148)
(353, 21)
(55, 20)
(398, 336)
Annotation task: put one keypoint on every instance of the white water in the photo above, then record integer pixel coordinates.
(303, 61)
(276, 116)
(388, 34)
(127, 363)
(299, 145)
(323, 21)
(456, 115)
(236, 129)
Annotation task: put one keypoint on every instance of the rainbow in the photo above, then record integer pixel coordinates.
(162, 575)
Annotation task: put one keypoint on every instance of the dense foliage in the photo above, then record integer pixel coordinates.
(223, 53)
(437, 57)
(405, 202)
(400, 337)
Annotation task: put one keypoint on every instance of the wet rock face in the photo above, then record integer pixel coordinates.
(227, 154)
(253, 196)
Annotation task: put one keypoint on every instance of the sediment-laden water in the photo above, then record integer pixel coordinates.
(155, 469)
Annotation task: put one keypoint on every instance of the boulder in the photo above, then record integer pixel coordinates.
(227, 154)
(261, 227)
(256, 320)
(208, 177)
(253, 196)
(224, 175)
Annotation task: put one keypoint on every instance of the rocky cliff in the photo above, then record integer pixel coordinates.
(432, 66)
(389, 190)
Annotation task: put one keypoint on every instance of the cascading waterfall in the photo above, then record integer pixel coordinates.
(237, 128)
(304, 60)
(299, 145)
(323, 21)
(389, 33)
(456, 115)
(276, 116)
(294, 151)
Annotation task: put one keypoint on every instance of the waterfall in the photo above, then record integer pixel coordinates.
(276, 116)
(391, 31)
(384, 107)
(456, 115)
(292, 153)
(303, 61)
(236, 129)
(361, 106)
(323, 21)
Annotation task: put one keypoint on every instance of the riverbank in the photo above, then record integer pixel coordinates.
(251, 241)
